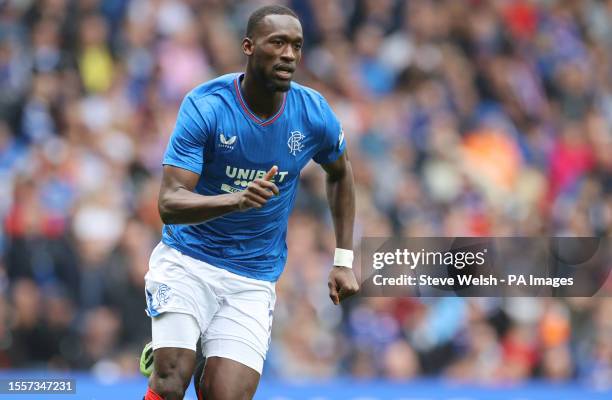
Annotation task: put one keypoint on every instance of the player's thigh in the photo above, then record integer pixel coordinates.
(175, 336)
(226, 379)
(236, 342)
(241, 329)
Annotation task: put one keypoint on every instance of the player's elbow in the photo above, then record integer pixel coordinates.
(164, 214)
(340, 172)
(165, 211)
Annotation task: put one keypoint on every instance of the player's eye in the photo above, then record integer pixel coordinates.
(277, 42)
(297, 46)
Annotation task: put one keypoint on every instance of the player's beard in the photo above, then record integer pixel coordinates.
(272, 84)
(282, 86)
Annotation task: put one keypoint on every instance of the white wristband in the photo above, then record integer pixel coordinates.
(343, 258)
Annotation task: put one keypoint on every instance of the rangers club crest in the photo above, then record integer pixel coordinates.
(163, 294)
(295, 142)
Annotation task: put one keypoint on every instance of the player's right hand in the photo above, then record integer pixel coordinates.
(258, 192)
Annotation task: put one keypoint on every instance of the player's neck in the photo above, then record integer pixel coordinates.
(259, 99)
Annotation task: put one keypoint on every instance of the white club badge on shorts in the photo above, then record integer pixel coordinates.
(157, 299)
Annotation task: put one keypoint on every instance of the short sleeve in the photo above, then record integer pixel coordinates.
(332, 138)
(186, 146)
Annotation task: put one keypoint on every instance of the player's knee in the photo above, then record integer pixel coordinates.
(168, 385)
(217, 389)
(169, 391)
(168, 380)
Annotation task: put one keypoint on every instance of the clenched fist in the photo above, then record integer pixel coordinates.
(258, 192)
(342, 284)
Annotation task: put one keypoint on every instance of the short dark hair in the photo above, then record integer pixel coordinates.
(263, 12)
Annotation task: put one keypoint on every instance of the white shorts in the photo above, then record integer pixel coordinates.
(188, 298)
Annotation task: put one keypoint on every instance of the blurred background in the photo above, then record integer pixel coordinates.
(463, 117)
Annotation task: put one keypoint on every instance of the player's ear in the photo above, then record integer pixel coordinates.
(247, 46)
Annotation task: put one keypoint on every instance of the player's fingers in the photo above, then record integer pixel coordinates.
(258, 189)
(255, 197)
(333, 293)
(270, 174)
(248, 203)
(347, 291)
(268, 185)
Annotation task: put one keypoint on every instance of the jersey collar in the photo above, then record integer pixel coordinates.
(250, 113)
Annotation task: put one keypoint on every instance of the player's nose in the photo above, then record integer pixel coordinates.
(289, 54)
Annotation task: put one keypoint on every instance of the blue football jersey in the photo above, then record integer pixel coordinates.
(219, 138)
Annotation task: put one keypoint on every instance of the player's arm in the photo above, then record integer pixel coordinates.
(179, 204)
(341, 198)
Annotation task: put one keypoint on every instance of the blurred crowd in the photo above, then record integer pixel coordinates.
(463, 118)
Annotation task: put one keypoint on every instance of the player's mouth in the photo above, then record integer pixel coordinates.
(284, 72)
